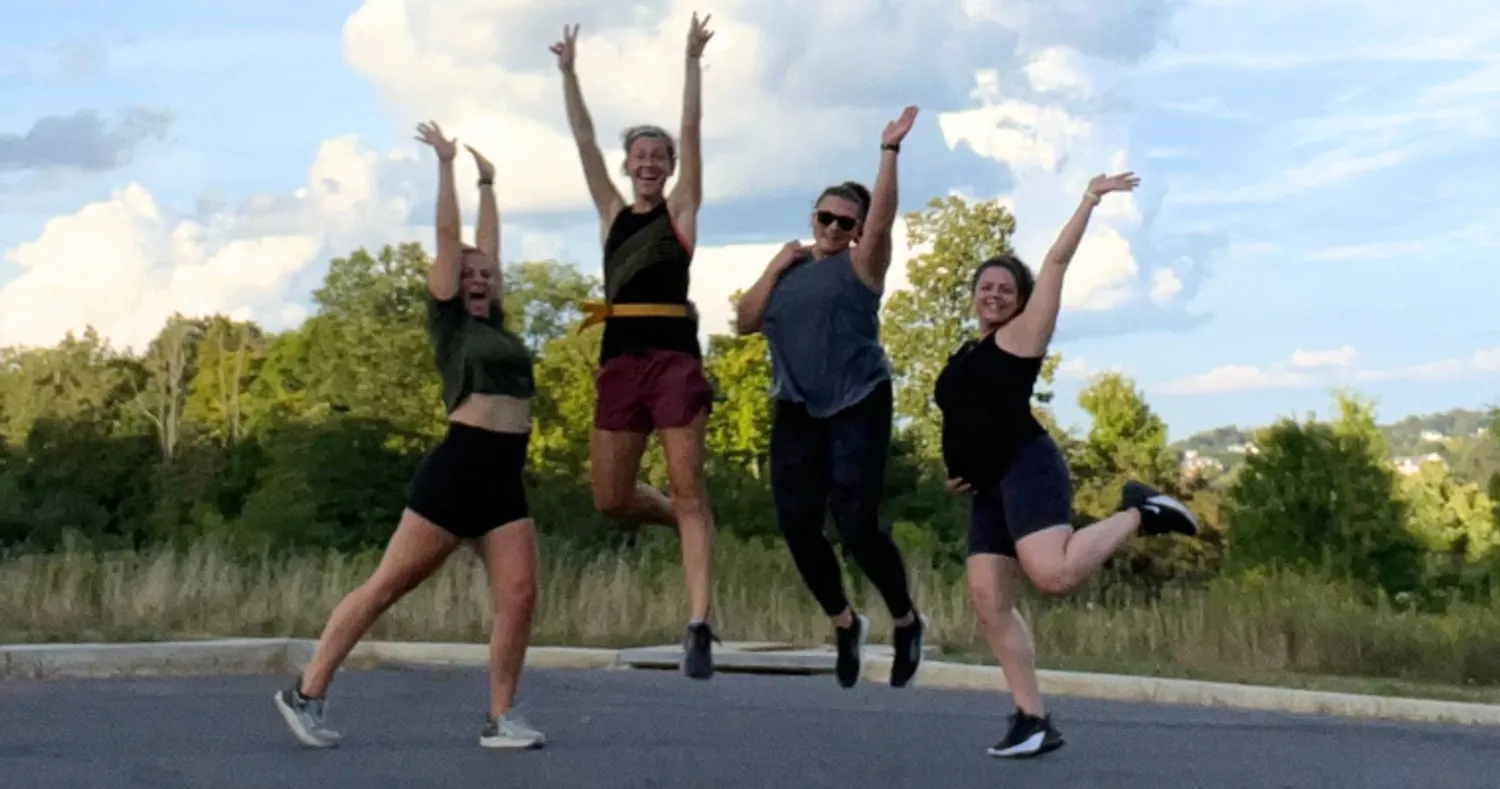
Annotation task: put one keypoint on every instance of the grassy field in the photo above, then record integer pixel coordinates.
(1283, 631)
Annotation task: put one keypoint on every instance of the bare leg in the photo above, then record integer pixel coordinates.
(684, 450)
(991, 591)
(416, 550)
(614, 466)
(510, 555)
(1058, 559)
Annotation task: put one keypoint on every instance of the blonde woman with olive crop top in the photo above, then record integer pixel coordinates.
(469, 487)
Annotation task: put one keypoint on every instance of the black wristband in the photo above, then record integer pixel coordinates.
(486, 182)
(894, 147)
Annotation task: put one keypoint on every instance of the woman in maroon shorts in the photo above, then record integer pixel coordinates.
(650, 366)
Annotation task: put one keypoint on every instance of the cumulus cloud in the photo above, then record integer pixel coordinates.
(124, 264)
(782, 97)
(1322, 368)
(83, 140)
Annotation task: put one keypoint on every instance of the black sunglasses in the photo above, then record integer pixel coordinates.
(846, 223)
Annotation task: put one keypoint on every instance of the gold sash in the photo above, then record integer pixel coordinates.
(600, 311)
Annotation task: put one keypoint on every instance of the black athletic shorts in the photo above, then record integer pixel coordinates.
(470, 483)
(1034, 493)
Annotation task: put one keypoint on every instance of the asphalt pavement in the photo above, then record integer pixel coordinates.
(420, 728)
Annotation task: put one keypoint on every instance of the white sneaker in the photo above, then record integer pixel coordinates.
(510, 731)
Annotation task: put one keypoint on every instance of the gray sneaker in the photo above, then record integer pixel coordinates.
(510, 731)
(307, 718)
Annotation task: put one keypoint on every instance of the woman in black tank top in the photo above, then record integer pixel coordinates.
(651, 372)
(998, 453)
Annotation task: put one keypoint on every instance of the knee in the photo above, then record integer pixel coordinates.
(516, 592)
(613, 502)
(988, 608)
(1056, 581)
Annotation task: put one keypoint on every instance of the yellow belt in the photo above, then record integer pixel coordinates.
(599, 311)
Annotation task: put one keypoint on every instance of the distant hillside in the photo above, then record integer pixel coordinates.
(1460, 437)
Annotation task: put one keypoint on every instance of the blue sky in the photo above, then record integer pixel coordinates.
(1316, 182)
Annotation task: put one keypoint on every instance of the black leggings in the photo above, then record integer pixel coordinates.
(837, 463)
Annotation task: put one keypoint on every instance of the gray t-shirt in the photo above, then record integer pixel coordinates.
(823, 327)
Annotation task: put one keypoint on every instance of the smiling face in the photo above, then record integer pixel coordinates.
(480, 283)
(835, 224)
(997, 295)
(649, 161)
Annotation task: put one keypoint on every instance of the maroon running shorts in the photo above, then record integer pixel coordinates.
(641, 390)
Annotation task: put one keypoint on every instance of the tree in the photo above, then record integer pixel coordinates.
(1126, 440)
(542, 300)
(1320, 497)
(922, 325)
(1453, 521)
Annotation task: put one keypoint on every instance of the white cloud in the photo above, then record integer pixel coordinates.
(1053, 150)
(123, 265)
(1343, 356)
(1328, 368)
(1164, 285)
(1060, 70)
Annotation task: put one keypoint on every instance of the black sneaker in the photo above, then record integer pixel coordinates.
(907, 648)
(1029, 736)
(851, 647)
(697, 651)
(1160, 513)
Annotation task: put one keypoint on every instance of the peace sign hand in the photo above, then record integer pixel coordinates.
(432, 134)
(698, 35)
(566, 48)
(896, 130)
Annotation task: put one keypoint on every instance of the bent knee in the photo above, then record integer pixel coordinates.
(1055, 581)
(613, 501)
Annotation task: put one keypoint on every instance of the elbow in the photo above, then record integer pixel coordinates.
(745, 323)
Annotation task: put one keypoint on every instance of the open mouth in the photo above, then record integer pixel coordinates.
(649, 178)
(477, 298)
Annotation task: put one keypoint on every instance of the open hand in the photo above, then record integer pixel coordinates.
(957, 485)
(1123, 182)
(432, 134)
(486, 169)
(698, 35)
(566, 48)
(896, 130)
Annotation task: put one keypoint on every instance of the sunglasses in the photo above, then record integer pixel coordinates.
(846, 223)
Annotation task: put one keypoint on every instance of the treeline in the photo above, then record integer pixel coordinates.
(307, 438)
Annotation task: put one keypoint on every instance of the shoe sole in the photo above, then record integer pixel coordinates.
(1178, 507)
(859, 652)
(1014, 752)
(916, 666)
(503, 743)
(303, 735)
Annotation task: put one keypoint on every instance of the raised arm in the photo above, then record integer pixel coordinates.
(872, 255)
(1031, 332)
(447, 266)
(751, 310)
(687, 195)
(606, 196)
(487, 235)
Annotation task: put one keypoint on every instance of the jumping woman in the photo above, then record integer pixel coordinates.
(819, 309)
(650, 373)
(996, 450)
(469, 488)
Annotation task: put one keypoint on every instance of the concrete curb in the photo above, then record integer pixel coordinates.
(287, 656)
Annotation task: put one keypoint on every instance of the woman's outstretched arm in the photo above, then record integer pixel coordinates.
(1031, 332)
(606, 196)
(687, 195)
(487, 234)
(872, 256)
(447, 267)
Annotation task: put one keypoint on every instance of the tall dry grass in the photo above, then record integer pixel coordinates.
(1266, 625)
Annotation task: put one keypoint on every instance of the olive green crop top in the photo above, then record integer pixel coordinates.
(476, 355)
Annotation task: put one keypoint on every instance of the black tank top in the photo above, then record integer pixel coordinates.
(645, 262)
(985, 396)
